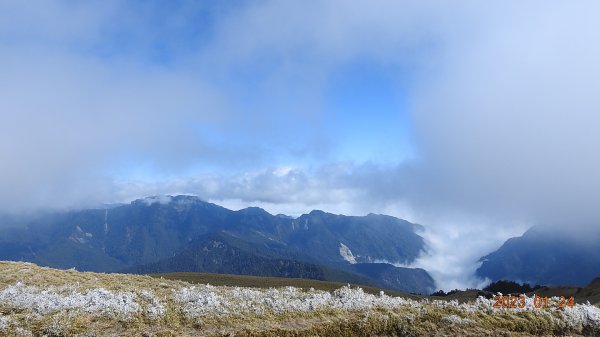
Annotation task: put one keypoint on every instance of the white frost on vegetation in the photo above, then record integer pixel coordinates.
(457, 319)
(154, 308)
(52, 299)
(202, 301)
(346, 254)
(209, 300)
(20, 332)
(581, 317)
(4, 322)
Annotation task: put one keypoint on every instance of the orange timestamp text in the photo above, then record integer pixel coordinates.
(522, 301)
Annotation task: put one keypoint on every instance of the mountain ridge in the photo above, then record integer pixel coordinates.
(158, 229)
(545, 255)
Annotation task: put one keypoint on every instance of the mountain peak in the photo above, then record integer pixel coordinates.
(317, 212)
(168, 199)
(185, 199)
(148, 201)
(254, 211)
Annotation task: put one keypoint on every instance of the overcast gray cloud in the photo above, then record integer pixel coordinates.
(511, 122)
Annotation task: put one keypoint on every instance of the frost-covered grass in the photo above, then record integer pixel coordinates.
(37, 301)
(206, 301)
(4, 322)
(98, 301)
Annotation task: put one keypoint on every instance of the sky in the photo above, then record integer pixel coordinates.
(474, 119)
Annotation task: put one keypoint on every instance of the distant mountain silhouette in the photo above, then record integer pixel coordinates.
(184, 233)
(387, 275)
(549, 256)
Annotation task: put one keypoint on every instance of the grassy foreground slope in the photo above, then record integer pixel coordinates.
(36, 301)
(271, 282)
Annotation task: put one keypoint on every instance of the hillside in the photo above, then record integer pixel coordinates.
(273, 282)
(37, 301)
(222, 253)
(588, 294)
(184, 233)
(546, 255)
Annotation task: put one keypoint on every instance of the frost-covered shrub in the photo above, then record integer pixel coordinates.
(208, 300)
(4, 322)
(582, 317)
(20, 332)
(55, 305)
(457, 319)
(97, 301)
(154, 309)
(351, 299)
(295, 300)
(200, 301)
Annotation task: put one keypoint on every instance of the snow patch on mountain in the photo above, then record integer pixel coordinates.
(346, 254)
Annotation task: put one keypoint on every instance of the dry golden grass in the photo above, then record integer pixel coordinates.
(271, 282)
(37, 301)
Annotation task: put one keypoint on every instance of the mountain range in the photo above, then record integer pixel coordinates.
(185, 233)
(554, 256)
